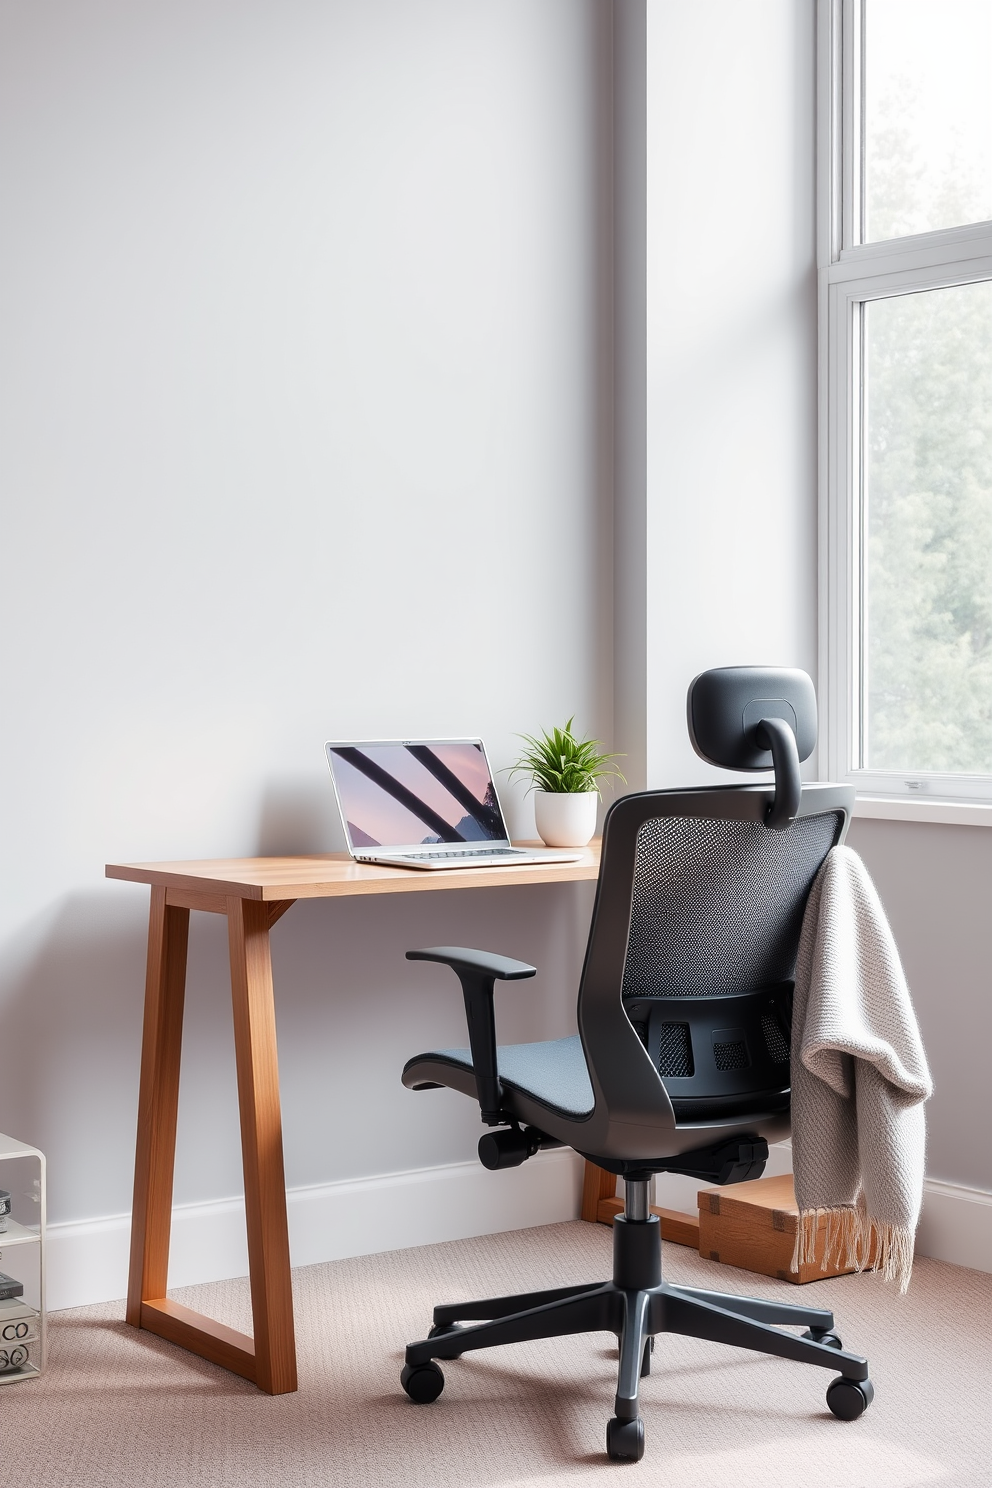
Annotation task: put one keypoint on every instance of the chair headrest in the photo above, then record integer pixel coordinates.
(756, 718)
(726, 706)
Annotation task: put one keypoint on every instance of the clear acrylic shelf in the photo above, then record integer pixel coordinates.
(22, 1262)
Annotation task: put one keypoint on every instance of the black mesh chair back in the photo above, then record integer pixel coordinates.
(685, 1004)
(717, 903)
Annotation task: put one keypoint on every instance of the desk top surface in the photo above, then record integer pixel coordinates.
(329, 875)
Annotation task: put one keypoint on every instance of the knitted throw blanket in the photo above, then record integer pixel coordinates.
(859, 1080)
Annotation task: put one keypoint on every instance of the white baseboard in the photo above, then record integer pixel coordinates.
(87, 1261)
(956, 1225)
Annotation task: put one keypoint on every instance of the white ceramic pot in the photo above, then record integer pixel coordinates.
(566, 818)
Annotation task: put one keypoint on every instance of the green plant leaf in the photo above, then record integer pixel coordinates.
(560, 763)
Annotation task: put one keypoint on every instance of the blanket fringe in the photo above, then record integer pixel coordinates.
(854, 1241)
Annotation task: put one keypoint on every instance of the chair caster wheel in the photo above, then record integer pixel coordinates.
(832, 1340)
(443, 1330)
(625, 1440)
(422, 1382)
(646, 1357)
(849, 1399)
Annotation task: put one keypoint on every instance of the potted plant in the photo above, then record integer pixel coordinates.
(564, 774)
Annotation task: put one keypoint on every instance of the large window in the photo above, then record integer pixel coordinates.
(906, 400)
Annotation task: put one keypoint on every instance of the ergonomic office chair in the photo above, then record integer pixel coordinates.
(681, 1062)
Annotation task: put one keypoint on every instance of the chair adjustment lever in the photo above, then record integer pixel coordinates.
(733, 1161)
(512, 1146)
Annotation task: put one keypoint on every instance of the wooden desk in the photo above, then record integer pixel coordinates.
(253, 893)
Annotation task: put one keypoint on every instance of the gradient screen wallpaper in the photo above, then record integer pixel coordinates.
(405, 795)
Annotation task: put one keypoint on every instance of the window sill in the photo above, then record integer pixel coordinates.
(948, 813)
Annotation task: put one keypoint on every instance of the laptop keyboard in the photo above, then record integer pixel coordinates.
(489, 852)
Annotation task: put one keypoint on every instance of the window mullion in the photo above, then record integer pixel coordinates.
(857, 403)
(850, 75)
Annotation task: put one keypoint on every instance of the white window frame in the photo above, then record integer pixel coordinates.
(850, 275)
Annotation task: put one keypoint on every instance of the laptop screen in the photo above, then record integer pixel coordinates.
(407, 794)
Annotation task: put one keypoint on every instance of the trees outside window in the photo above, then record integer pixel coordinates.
(906, 397)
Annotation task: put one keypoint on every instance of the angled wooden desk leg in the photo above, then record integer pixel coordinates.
(261, 1143)
(270, 1358)
(158, 1103)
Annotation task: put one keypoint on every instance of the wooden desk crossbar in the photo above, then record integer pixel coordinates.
(253, 893)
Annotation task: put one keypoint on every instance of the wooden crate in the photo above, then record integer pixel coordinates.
(753, 1225)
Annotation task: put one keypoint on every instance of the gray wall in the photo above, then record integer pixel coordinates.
(935, 882)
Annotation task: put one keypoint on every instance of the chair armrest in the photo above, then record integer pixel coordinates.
(459, 958)
(478, 972)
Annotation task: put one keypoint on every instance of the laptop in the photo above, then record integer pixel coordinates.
(425, 803)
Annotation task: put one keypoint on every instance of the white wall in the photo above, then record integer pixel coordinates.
(724, 520)
(304, 432)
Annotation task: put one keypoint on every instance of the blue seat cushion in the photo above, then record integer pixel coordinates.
(553, 1072)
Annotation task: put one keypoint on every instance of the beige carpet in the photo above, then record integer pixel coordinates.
(119, 1407)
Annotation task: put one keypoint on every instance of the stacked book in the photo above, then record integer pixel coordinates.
(19, 1328)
